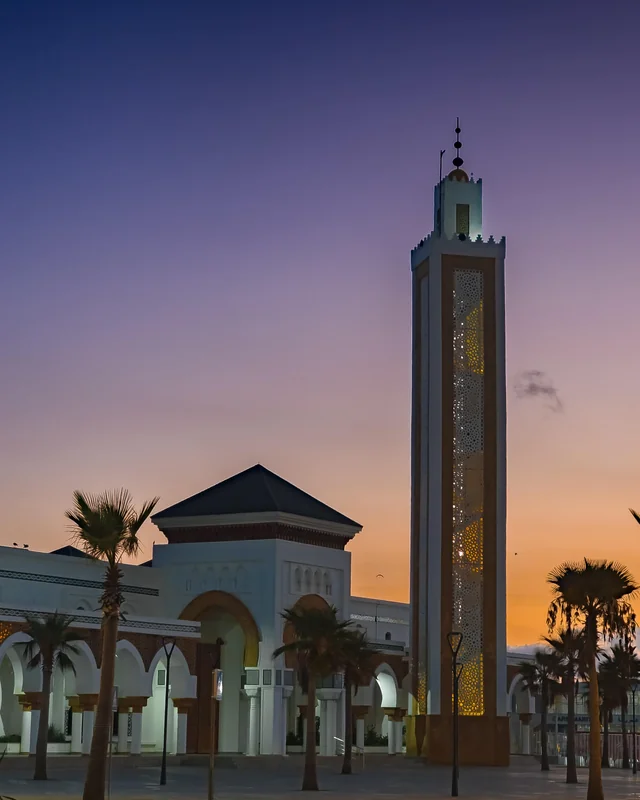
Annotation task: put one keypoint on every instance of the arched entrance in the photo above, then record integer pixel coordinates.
(308, 601)
(521, 710)
(230, 640)
(326, 711)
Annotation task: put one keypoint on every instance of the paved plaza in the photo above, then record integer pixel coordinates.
(383, 779)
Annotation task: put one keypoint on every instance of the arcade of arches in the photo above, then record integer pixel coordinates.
(262, 709)
(260, 695)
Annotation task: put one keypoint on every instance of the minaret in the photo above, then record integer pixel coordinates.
(458, 495)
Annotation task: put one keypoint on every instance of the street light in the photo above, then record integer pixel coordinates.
(168, 646)
(634, 689)
(455, 640)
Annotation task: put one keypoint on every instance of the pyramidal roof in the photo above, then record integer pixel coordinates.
(257, 490)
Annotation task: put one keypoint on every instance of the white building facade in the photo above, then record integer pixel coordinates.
(237, 555)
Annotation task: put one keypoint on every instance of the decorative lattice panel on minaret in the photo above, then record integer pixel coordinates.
(468, 482)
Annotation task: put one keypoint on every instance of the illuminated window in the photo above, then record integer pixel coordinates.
(462, 218)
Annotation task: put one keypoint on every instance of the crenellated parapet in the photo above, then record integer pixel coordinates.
(456, 244)
(478, 240)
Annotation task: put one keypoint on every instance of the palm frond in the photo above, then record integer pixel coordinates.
(51, 636)
(317, 638)
(32, 654)
(106, 525)
(143, 515)
(64, 663)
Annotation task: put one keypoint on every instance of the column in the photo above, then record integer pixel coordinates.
(35, 723)
(328, 719)
(253, 738)
(395, 722)
(25, 733)
(398, 726)
(182, 706)
(287, 691)
(271, 720)
(136, 726)
(303, 717)
(76, 725)
(87, 703)
(360, 733)
(32, 701)
(359, 714)
(391, 746)
(525, 734)
(88, 721)
(123, 723)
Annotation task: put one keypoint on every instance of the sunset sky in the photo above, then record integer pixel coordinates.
(207, 211)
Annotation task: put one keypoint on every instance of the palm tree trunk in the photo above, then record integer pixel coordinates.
(625, 741)
(572, 775)
(97, 768)
(348, 727)
(40, 773)
(310, 779)
(544, 748)
(594, 789)
(605, 740)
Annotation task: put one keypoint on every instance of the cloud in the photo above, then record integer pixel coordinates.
(534, 383)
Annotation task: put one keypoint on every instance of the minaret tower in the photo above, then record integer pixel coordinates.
(458, 494)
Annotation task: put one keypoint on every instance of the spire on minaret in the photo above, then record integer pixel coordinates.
(457, 161)
(457, 200)
(458, 174)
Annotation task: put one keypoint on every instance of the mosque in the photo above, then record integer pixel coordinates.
(240, 552)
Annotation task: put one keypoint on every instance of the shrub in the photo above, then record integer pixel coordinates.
(55, 735)
(373, 739)
(294, 739)
(10, 738)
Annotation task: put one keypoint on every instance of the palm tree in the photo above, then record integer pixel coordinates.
(539, 677)
(568, 646)
(106, 526)
(51, 646)
(623, 665)
(595, 595)
(357, 666)
(318, 641)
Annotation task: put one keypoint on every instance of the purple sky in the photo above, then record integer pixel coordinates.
(207, 211)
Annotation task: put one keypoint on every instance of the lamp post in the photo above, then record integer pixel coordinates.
(168, 646)
(634, 688)
(455, 640)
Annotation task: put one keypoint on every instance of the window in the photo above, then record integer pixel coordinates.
(387, 637)
(462, 218)
(162, 677)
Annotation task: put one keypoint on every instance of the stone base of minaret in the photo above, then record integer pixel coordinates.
(483, 741)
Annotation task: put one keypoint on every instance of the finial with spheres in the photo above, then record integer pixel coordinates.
(458, 174)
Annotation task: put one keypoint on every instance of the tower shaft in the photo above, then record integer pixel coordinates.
(458, 525)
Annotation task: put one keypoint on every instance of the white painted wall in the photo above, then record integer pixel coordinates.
(393, 618)
(61, 596)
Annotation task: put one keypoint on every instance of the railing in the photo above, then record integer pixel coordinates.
(353, 746)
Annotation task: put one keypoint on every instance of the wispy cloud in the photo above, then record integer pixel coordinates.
(534, 383)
